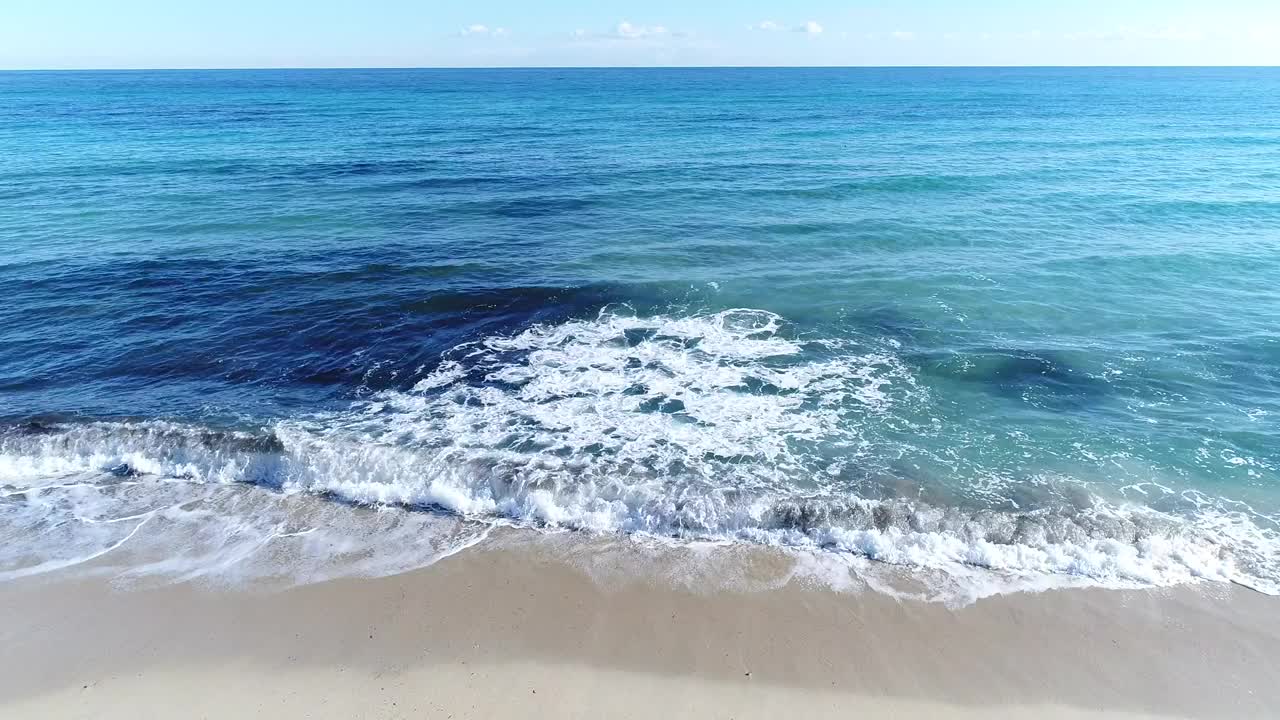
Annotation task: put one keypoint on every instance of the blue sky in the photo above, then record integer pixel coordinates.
(392, 33)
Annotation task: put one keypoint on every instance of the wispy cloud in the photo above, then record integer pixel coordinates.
(902, 35)
(629, 31)
(811, 27)
(480, 29)
(1172, 34)
(1264, 33)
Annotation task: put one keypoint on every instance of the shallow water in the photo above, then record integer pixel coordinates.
(1010, 320)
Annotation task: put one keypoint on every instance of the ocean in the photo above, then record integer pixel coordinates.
(1011, 326)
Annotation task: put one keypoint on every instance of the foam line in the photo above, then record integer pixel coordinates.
(717, 427)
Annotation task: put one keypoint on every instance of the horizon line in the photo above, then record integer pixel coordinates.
(619, 67)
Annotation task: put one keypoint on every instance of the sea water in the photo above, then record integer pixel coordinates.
(1017, 323)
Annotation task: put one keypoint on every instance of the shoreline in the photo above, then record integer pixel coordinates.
(520, 628)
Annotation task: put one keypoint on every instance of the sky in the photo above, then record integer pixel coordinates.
(53, 34)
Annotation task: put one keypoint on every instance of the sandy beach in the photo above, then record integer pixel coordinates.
(513, 629)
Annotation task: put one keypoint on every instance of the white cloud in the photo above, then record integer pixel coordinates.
(630, 31)
(812, 27)
(1264, 34)
(480, 29)
(1091, 35)
(1172, 34)
(902, 35)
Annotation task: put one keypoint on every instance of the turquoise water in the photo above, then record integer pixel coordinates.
(1017, 321)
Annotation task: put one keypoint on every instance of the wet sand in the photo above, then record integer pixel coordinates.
(513, 629)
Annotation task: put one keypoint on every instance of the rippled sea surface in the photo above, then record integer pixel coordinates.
(1016, 324)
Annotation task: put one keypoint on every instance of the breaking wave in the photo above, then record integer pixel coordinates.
(723, 427)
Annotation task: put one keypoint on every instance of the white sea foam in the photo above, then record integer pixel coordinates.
(718, 427)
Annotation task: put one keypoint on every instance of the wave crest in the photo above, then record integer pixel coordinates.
(723, 426)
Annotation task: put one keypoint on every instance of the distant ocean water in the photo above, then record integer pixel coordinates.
(1021, 324)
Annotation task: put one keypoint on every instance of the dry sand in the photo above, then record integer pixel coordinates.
(513, 630)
